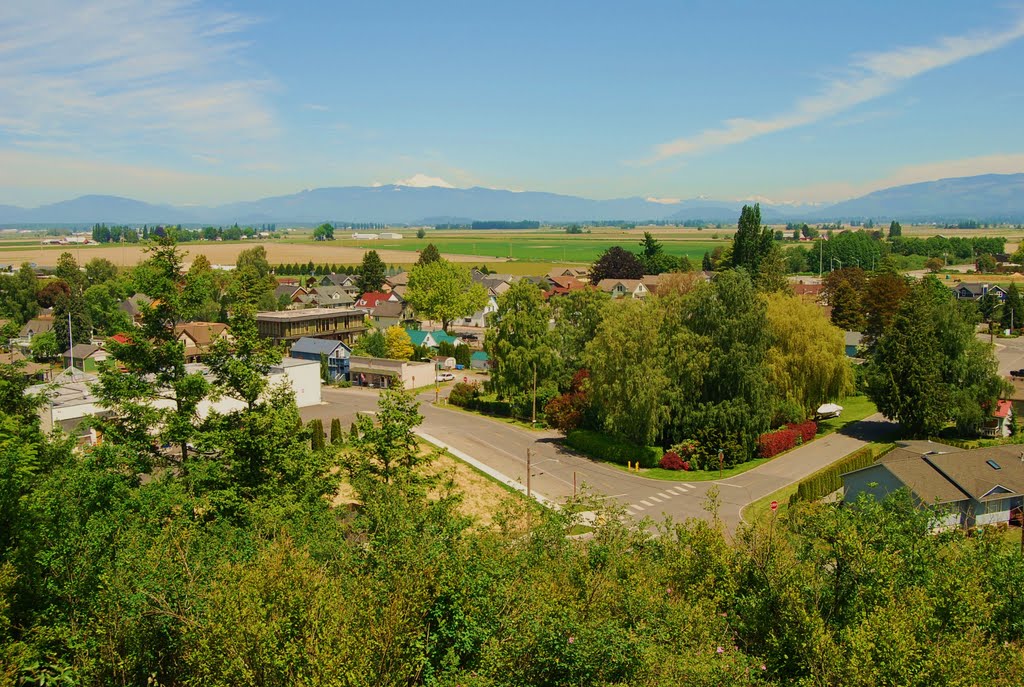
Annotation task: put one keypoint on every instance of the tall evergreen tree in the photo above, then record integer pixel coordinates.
(372, 273)
(428, 255)
(895, 229)
(752, 242)
(1013, 308)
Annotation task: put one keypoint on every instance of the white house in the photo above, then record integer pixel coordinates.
(479, 318)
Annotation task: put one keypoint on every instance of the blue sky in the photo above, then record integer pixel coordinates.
(199, 102)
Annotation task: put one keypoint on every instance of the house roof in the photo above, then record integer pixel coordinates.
(333, 293)
(979, 472)
(947, 474)
(977, 290)
(371, 299)
(418, 336)
(81, 351)
(133, 305)
(388, 309)
(400, 279)
(609, 285)
(808, 290)
(203, 333)
(853, 338)
(440, 335)
(313, 346)
(121, 339)
(287, 290)
(1003, 409)
(479, 355)
(37, 325)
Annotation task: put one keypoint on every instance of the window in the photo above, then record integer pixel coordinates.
(992, 464)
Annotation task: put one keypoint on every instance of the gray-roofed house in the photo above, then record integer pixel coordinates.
(853, 342)
(133, 306)
(388, 314)
(623, 288)
(308, 348)
(331, 296)
(35, 327)
(982, 486)
(972, 292)
(84, 357)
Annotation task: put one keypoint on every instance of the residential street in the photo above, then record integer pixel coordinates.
(502, 447)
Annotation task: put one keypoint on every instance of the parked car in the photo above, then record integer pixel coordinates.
(445, 376)
(1017, 374)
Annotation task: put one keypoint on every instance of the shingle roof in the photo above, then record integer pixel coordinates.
(313, 346)
(81, 351)
(972, 472)
(388, 309)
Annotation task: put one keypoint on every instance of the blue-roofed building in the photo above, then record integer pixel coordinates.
(308, 348)
(479, 361)
(432, 339)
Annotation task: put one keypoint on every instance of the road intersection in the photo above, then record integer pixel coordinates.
(556, 471)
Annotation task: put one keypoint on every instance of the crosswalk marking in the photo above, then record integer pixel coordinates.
(690, 486)
(664, 495)
(637, 507)
(655, 499)
(647, 503)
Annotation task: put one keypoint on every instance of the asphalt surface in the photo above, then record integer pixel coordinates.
(555, 471)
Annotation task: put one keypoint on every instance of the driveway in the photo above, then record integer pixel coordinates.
(554, 470)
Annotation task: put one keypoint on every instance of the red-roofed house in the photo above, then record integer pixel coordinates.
(371, 299)
(121, 339)
(999, 424)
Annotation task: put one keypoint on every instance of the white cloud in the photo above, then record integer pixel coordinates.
(126, 73)
(869, 77)
(423, 181)
(1010, 163)
(315, 107)
(664, 201)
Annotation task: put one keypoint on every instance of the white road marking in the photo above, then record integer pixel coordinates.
(689, 486)
(647, 503)
(637, 507)
(664, 495)
(655, 499)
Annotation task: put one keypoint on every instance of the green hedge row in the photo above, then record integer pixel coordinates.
(500, 408)
(828, 480)
(604, 447)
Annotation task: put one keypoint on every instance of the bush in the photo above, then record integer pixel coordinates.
(807, 430)
(603, 447)
(565, 413)
(464, 394)
(686, 466)
(671, 461)
(828, 480)
(773, 443)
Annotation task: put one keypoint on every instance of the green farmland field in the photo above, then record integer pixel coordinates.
(532, 247)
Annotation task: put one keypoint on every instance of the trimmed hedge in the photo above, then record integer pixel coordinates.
(773, 443)
(604, 447)
(828, 480)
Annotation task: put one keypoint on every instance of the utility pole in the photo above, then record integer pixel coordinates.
(721, 462)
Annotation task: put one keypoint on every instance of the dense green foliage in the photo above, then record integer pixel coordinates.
(444, 291)
(372, 273)
(616, 263)
(752, 242)
(603, 447)
(928, 368)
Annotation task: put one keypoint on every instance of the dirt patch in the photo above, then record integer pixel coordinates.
(223, 254)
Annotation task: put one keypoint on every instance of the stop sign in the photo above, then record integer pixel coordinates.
(775, 506)
(465, 380)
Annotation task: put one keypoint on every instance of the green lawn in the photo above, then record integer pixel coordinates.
(854, 408)
(691, 475)
(561, 248)
(760, 510)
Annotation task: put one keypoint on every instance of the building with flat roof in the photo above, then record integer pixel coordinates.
(288, 326)
(382, 373)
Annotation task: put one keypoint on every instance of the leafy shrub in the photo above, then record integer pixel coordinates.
(807, 430)
(564, 413)
(604, 447)
(687, 466)
(464, 394)
(787, 412)
(828, 480)
(671, 461)
(773, 443)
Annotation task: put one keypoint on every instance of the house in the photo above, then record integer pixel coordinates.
(331, 296)
(383, 373)
(288, 326)
(421, 338)
(973, 292)
(559, 285)
(809, 292)
(199, 337)
(982, 486)
(440, 335)
(853, 341)
(388, 314)
(998, 424)
(651, 282)
(337, 353)
(84, 357)
(623, 288)
(479, 361)
(479, 318)
(444, 362)
(371, 299)
(133, 306)
(400, 279)
(35, 327)
(579, 273)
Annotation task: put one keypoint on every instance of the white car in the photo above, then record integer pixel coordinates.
(445, 376)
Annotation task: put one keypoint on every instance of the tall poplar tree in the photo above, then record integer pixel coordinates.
(752, 242)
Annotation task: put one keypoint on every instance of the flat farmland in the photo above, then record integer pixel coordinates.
(221, 253)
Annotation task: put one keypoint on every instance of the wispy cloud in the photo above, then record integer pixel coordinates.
(868, 77)
(127, 73)
(315, 107)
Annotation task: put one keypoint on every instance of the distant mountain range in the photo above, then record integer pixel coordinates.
(988, 197)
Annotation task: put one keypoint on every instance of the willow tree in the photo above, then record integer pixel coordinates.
(806, 358)
(627, 375)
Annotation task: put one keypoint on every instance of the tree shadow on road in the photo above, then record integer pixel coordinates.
(872, 430)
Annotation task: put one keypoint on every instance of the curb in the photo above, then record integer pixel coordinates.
(488, 470)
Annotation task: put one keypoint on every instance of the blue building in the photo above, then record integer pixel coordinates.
(308, 348)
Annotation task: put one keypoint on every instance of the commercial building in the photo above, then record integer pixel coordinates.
(382, 373)
(288, 326)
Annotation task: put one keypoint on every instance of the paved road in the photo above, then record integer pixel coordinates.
(503, 446)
